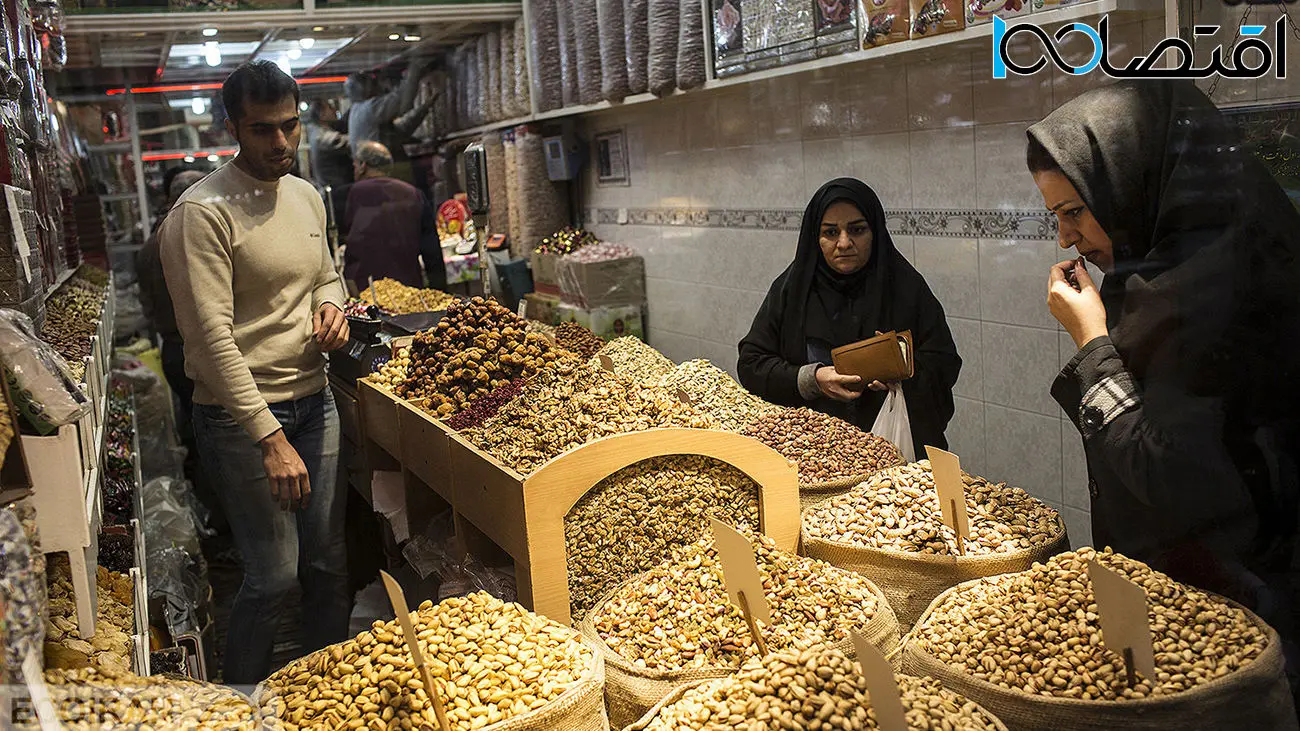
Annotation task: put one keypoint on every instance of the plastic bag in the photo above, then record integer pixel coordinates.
(522, 74)
(128, 319)
(547, 53)
(491, 45)
(178, 582)
(613, 50)
(690, 47)
(665, 28)
(22, 589)
(636, 38)
(438, 550)
(568, 53)
(892, 422)
(168, 517)
(506, 92)
(161, 454)
(586, 45)
(39, 380)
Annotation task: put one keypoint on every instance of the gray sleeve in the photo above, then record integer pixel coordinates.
(808, 382)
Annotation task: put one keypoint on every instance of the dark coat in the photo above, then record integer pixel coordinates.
(888, 294)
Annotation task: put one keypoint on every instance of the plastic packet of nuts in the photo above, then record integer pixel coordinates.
(40, 383)
(22, 589)
(438, 550)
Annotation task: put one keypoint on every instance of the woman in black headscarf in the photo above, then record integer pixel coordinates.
(847, 282)
(1186, 386)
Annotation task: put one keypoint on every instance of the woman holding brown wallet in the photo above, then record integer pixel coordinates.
(1186, 386)
(847, 283)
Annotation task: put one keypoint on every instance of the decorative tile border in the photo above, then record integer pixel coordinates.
(1025, 225)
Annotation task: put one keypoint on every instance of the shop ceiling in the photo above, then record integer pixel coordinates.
(106, 51)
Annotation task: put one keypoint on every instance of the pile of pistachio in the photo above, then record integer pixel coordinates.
(636, 361)
(713, 392)
(101, 698)
(1038, 632)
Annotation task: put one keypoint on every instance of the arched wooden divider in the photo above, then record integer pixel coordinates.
(552, 491)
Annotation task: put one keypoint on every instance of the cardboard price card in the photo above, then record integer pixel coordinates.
(952, 493)
(740, 571)
(886, 699)
(606, 362)
(1122, 610)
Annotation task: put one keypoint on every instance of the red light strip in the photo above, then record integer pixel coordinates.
(159, 156)
(213, 86)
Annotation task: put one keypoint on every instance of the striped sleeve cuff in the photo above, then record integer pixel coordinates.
(1107, 400)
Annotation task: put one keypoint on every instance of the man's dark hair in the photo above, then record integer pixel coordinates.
(260, 82)
(1038, 158)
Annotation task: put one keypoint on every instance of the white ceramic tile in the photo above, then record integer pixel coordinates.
(1126, 41)
(1020, 364)
(878, 94)
(674, 346)
(1013, 281)
(720, 354)
(1013, 99)
(736, 121)
(775, 176)
(1002, 181)
(825, 107)
(966, 435)
(905, 245)
(943, 168)
(782, 96)
(676, 306)
(825, 160)
(1067, 348)
(951, 268)
(666, 127)
(702, 124)
(884, 161)
(967, 335)
(1074, 468)
(1024, 450)
(939, 93)
(1078, 524)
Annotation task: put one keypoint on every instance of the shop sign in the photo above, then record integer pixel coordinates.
(1243, 64)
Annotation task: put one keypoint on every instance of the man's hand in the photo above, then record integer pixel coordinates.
(290, 485)
(330, 328)
(1081, 313)
(837, 386)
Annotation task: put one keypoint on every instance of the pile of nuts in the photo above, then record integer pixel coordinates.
(394, 297)
(566, 241)
(604, 251)
(632, 520)
(490, 661)
(110, 648)
(477, 347)
(1038, 632)
(392, 373)
(898, 509)
(825, 448)
(566, 407)
(485, 407)
(717, 394)
(678, 615)
(71, 318)
(816, 688)
(578, 340)
(637, 361)
(541, 328)
(93, 698)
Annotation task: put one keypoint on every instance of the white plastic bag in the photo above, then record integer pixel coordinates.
(893, 424)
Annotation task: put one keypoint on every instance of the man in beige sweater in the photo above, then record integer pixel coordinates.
(258, 303)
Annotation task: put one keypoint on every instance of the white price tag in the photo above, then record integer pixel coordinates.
(20, 233)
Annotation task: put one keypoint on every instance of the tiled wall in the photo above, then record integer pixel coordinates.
(718, 180)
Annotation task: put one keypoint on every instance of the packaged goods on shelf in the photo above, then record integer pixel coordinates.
(521, 74)
(482, 81)
(932, 17)
(781, 685)
(519, 248)
(507, 71)
(492, 52)
(396, 298)
(40, 381)
(811, 603)
(637, 40)
(1029, 647)
(568, 52)
(664, 24)
(613, 51)
(884, 21)
(607, 322)
(586, 37)
(22, 590)
(636, 361)
(710, 390)
(691, 56)
(832, 454)
(543, 204)
(110, 647)
(983, 11)
(633, 520)
(570, 403)
(890, 529)
(102, 697)
(543, 19)
(499, 201)
(591, 282)
(496, 666)
(478, 346)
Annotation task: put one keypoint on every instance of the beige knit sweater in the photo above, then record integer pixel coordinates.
(247, 267)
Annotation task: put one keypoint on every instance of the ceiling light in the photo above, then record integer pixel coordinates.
(285, 65)
(307, 42)
(318, 28)
(294, 54)
(302, 106)
(189, 158)
(212, 54)
(411, 38)
(197, 104)
(209, 32)
(394, 36)
(213, 157)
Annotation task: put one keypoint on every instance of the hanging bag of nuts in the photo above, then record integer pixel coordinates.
(1028, 647)
(889, 530)
(781, 684)
(673, 625)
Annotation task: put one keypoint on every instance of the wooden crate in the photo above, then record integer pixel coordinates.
(379, 417)
(425, 448)
(525, 515)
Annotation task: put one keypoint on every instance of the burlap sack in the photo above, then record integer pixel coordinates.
(1255, 697)
(912, 580)
(810, 495)
(580, 708)
(677, 694)
(631, 691)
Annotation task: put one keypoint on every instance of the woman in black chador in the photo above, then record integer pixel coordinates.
(847, 282)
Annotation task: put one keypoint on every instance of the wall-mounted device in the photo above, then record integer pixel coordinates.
(476, 179)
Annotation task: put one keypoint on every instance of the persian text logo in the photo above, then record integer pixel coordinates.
(1143, 67)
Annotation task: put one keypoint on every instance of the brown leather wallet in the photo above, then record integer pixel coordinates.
(884, 358)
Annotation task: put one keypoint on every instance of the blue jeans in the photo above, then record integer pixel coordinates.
(280, 548)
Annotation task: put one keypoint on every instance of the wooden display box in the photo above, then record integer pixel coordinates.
(379, 417)
(425, 447)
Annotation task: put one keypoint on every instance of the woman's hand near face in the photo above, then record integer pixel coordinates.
(1081, 313)
(836, 386)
